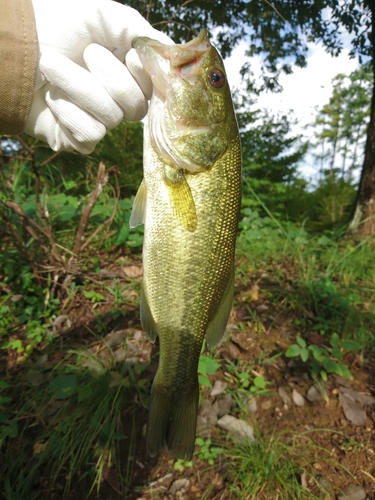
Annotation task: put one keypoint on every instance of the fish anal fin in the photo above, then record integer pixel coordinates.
(216, 327)
(147, 319)
(137, 217)
(181, 199)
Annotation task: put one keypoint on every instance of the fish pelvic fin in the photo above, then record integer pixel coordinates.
(172, 421)
(137, 216)
(181, 198)
(147, 319)
(216, 327)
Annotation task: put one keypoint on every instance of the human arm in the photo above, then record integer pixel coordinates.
(18, 50)
(82, 86)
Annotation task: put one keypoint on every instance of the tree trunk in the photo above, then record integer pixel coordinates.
(363, 215)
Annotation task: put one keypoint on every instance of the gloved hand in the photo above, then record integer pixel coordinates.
(83, 87)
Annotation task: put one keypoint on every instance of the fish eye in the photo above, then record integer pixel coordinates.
(216, 78)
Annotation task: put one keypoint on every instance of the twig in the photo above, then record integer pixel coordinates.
(27, 222)
(101, 181)
(108, 222)
(52, 157)
(25, 146)
(274, 8)
(42, 213)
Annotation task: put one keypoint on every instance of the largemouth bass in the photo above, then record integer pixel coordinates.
(189, 202)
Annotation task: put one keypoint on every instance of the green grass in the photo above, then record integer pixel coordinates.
(280, 467)
(63, 421)
(70, 424)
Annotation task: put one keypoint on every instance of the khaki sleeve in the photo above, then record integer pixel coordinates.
(18, 56)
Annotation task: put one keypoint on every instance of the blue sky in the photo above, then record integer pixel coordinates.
(304, 90)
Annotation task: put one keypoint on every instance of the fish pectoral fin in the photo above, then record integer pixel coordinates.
(216, 327)
(181, 199)
(147, 319)
(137, 217)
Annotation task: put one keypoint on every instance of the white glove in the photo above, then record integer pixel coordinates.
(83, 87)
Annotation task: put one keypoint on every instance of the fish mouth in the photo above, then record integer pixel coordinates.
(185, 58)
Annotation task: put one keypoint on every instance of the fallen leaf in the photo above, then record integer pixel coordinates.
(133, 271)
(178, 485)
(218, 388)
(110, 476)
(115, 338)
(352, 410)
(39, 447)
(353, 492)
(253, 293)
(363, 399)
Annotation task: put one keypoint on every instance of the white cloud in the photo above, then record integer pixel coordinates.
(304, 90)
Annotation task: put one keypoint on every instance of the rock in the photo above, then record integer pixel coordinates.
(209, 411)
(138, 335)
(238, 429)
(162, 481)
(313, 394)
(203, 427)
(298, 399)
(353, 492)
(284, 396)
(178, 485)
(252, 405)
(218, 388)
(225, 405)
(114, 339)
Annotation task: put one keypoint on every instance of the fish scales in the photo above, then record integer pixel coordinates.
(190, 221)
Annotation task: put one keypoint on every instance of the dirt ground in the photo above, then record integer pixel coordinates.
(330, 451)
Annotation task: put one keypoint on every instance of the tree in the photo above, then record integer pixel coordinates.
(280, 31)
(270, 158)
(341, 125)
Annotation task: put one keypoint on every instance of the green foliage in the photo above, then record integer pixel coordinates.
(270, 158)
(206, 451)
(207, 366)
(275, 470)
(81, 403)
(324, 360)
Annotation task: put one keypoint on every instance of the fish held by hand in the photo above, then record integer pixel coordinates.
(189, 202)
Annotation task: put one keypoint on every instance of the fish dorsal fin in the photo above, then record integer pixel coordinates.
(181, 198)
(147, 319)
(137, 217)
(216, 327)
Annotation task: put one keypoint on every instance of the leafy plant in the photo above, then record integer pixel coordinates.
(206, 450)
(207, 366)
(323, 360)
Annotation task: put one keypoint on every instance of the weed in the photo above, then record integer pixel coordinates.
(207, 366)
(323, 360)
(266, 469)
(206, 451)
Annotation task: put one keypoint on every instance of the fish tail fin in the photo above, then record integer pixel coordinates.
(172, 421)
